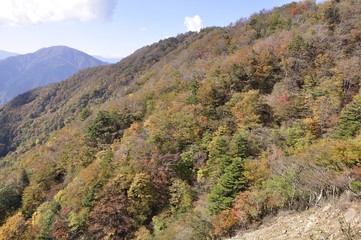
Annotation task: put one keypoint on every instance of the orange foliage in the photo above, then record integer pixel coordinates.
(224, 222)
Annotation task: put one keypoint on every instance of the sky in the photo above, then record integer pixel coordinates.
(113, 28)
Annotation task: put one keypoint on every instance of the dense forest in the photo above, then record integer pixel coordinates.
(194, 137)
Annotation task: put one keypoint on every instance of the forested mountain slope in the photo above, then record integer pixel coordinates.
(193, 137)
(21, 73)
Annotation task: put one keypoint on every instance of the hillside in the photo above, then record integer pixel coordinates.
(334, 219)
(23, 72)
(198, 136)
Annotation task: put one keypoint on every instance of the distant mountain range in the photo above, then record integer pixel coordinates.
(108, 60)
(23, 72)
(5, 54)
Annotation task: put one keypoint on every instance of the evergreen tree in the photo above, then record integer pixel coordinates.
(239, 146)
(10, 199)
(350, 120)
(229, 185)
(219, 153)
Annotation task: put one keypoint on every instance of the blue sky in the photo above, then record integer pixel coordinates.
(112, 28)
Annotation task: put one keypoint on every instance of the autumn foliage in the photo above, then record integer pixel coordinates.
(194, 137)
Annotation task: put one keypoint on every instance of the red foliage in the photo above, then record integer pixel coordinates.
(285, 98)
(62, 231)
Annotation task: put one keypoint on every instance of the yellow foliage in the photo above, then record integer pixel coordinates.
(59, 195)
(246, 109)
(336, 155)
(14, 228)
(201, 173)
(323, 59)
(78, 219)
(256, 171)
(312, 125)
(346, 154)
(73, 194)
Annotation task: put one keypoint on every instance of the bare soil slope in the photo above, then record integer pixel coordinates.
(338, 219)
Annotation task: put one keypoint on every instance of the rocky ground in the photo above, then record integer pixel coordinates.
(332, 220)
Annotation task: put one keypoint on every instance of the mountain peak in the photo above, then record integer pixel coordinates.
(51, 64)
(58, 49)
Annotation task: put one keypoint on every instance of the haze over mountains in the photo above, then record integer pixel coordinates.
(5, 54)
(107, 60)
(47, 65)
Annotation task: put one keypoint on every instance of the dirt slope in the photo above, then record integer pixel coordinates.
(333, 220)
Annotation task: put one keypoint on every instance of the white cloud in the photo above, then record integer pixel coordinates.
(193, 24)
(24, 12)
(143, 29)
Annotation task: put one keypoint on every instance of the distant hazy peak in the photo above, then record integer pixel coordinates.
(5, 54)
(47, 65)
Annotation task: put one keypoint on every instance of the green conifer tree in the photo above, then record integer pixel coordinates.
(229, 185)
(350, 120)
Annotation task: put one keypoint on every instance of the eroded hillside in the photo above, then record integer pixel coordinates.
(334, 219)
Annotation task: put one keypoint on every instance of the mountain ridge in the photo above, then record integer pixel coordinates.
(6, 54)
(23, 72)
